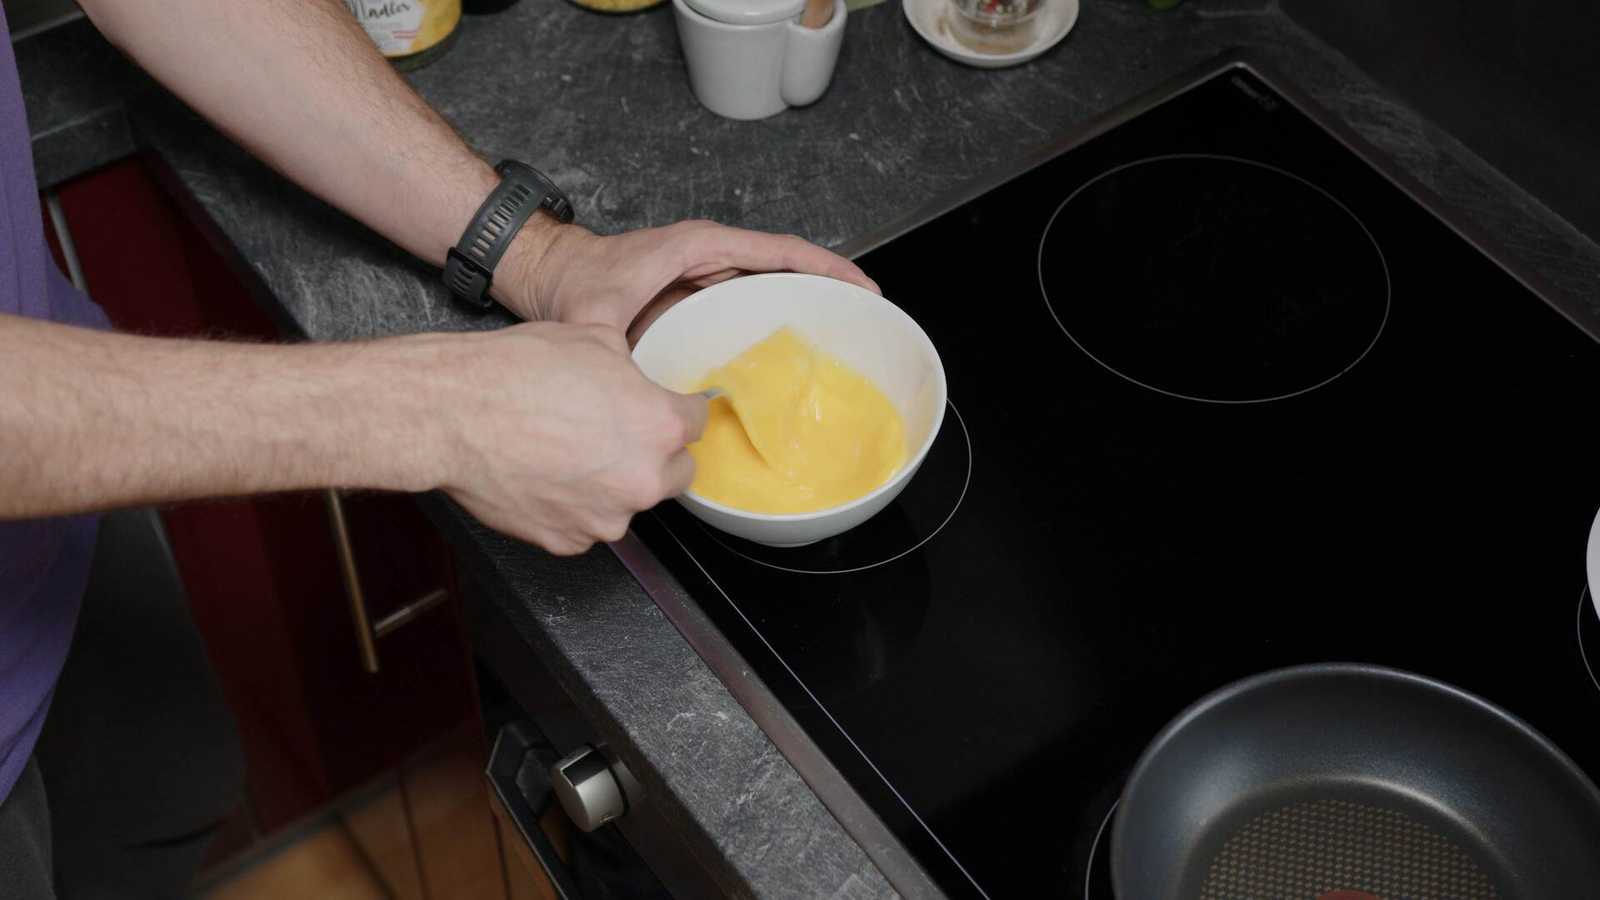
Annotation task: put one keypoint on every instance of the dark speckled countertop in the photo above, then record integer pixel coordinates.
(602, 104)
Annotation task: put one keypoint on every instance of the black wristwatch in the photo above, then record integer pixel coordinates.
(523, 191)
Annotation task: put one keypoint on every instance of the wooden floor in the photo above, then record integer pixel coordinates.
(325, 864)
(426, 832)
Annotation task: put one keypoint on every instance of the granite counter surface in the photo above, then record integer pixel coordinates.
(602, 104)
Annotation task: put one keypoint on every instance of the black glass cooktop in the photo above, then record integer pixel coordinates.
(1226, 399)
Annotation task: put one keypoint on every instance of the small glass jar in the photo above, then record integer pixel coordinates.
(410, 33)
(994, 26)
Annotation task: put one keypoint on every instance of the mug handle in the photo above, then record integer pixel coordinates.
(809, 56)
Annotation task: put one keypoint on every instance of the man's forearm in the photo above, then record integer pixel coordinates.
(90, 420)
(299, 84)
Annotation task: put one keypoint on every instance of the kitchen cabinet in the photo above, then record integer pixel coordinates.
(331, 619)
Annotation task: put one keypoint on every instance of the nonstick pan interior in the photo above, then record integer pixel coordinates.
(1306, 782)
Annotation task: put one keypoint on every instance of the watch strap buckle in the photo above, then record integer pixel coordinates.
(467, 279)
(558, 206)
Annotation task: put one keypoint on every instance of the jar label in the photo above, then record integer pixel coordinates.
(404, 27)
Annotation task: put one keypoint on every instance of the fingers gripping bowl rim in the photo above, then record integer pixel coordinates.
(865, 331)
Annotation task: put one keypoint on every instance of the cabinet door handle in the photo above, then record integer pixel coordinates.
(367, 633)
(69, 247)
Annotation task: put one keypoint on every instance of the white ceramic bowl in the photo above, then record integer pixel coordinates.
(865, 331)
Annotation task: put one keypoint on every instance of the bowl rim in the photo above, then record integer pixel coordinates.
(913, 461)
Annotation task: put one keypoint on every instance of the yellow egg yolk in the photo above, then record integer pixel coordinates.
(807, 432)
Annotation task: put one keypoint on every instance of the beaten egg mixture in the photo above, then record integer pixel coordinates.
(795, 431)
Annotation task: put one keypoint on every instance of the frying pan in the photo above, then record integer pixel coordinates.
(1319, 780)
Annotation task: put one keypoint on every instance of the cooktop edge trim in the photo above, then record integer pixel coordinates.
(881, 845)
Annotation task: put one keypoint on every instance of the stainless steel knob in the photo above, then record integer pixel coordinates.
(588, 788)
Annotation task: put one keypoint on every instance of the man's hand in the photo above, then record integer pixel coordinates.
(561, 438)
(545, 431)
(565, 273)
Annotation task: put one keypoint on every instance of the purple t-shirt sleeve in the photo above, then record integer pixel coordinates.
(44, 564)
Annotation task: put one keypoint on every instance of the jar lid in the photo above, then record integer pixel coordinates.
(747, 12)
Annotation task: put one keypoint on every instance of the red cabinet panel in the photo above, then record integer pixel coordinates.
(263, 574)
(148, 266)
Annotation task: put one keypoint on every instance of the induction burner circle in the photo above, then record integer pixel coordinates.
(925, 506)
(1214, 278)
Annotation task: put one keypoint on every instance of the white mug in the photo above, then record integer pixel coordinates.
(755, 71)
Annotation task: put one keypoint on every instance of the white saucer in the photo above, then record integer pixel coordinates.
(1594, 562)
(1056, 18)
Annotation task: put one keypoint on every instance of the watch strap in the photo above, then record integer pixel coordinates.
(522, 191)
